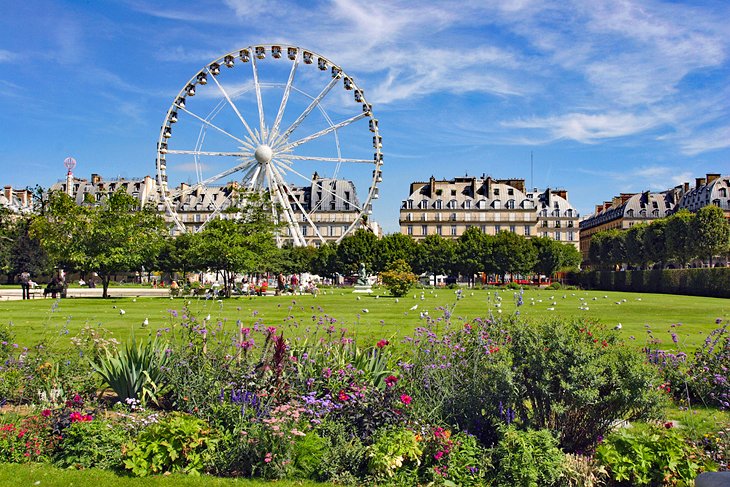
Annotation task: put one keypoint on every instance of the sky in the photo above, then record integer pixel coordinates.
(604, 96)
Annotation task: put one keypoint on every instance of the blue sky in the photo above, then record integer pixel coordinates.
(608, 96)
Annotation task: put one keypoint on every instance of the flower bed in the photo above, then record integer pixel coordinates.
(488, 402)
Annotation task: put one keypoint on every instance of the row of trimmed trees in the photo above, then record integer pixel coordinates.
(116, 236)
(675, 240)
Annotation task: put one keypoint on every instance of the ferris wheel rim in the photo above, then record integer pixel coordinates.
(272, 137)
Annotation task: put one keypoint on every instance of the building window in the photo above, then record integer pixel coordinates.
(510, 191)
(496, 191)
(557, 224)
(497, 228)
(304, 231)
(570, 224)
(453, 192)
(557, 235)
(409, 230)
(424, 229)
(347, 195)
(527, 230)
(452, 217)
(512, 229)
(483, 228)
(570, 236)
(544, 234)
(438, 204)
(569, 213)
(424, 204)
(467, 204)
(439, 230)
(410, 204)
(545, 223)
(510, 204)
(497, 204)
(453, 230)
(333, 232)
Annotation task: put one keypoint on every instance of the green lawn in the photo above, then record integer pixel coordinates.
(370, 317)
(45, 475)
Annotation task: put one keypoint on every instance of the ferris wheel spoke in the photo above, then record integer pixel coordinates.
(290, 196)
(217, 210)
(294, 157)
(309, 109)
(326, 190)
(284, 99)
(233, 105)
(212, 125)
(281, 192)
(326, 131)
(227, 172)
(258, 97)
(208, 153)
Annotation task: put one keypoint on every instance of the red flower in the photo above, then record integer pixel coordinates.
(668, 425)
(45, 413)
(343, 396)
(391, 380)
(382, 343)
(405, 399)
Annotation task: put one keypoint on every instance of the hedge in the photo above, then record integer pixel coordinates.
(712, 282)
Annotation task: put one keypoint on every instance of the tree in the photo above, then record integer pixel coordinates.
(553, 256)
(595, 250)
(298, 259)
(710, 233)
(177, 254)
(634, 245)
(473, 253)
(244, 244)
(655, 242)
(356, 248)
(613, 248)
(435, 255)
(398, 277)
(26, 253)
(513, 254)
(326, 261)
(393, 247)
(113, 236)
(678, 237)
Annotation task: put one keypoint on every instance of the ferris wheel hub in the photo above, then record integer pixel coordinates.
(263, 154)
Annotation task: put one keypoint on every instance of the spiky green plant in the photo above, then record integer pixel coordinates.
(136, 371)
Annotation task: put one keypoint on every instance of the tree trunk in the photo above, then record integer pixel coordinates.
(105, 285)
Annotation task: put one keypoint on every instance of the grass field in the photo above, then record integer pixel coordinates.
(374, 317)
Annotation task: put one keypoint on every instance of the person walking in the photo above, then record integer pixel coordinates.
(25, 284)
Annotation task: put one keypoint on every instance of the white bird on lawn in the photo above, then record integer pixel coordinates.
(397, 300)
(358, 298)
(423, 298)
(618, 302)
(414, 307)
(365, 310)
(121, 311)
(207, 318)
(134, 300)
(377, 297)
(551, 309)
(145, 322)
(618, 327)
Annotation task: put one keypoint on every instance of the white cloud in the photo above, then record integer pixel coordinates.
(7, 56)
(588, 128)
(712, 139)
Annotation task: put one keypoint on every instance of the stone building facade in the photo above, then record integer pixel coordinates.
(449, 207)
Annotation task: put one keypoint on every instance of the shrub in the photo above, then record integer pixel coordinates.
(345, 456)
(393, 449)
(528, 458)
(709, 374)
(92, 444)
(554, 285)
(398, 277)
(654, 455)
(28, 440)
(177, 443)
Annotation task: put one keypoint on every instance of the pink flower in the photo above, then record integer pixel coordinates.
(268, 458)
(343, 396)
(438, 455)
(391, 380)
(405, 399)
(45, 413)
(382, 343)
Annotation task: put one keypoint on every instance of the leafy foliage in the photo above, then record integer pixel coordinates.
(398, 278)
(529, 458)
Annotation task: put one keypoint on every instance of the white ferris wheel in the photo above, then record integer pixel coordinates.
(275, 119)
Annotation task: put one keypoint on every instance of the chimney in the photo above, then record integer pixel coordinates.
(712, 177)
(699, 182)
(686, 187)
(599, 208)
(95, 178)
(625, 197)
(25, 197)
(8, 193)
(562, 193)
(518, 184)
(607, 205)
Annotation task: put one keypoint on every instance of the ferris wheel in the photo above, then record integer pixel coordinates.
(273, 119)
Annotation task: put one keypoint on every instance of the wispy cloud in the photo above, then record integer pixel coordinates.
(7, 56)
(587, 128)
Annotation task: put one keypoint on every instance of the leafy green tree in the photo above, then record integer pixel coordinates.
(244, 244)
(398, 277)
(613, 249)
(553, 256)
(513, 254)
(298, 259)
(474, 253)
(678, 237)
(113, 236)
(710, 233)
(435, 255)
(634, 244)
(26, 253)
(655, 242)
(393, 247)
(356, 248)
(326, 261)
(595, 250)
(177, 254)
